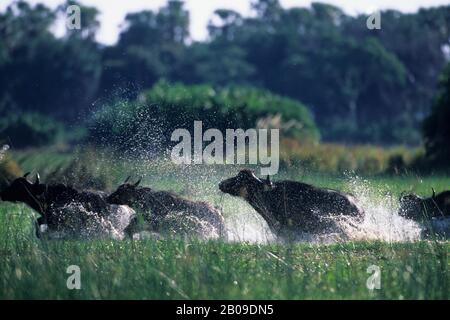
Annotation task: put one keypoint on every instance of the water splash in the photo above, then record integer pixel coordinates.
(181, 225)
(3, 151)
(74, 221)
(381, 221)
(245, 225)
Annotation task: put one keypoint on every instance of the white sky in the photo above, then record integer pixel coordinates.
(113, 11)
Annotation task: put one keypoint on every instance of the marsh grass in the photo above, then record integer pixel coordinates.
(177, 269)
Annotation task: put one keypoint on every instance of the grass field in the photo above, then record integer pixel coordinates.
(175, 269)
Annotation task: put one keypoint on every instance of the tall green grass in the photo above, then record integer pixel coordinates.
(175, 269)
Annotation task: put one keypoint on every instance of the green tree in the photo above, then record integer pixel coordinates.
(41, 73)
(146, 124)
(436, 126)
(151, 46)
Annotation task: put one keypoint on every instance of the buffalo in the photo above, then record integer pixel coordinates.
(419, 209)
(289, 206)
(157, 207)
(49, 202)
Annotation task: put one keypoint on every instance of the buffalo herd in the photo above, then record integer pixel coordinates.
(286, 206)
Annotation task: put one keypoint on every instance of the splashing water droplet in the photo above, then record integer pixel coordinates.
(3, 151)
(381, 221)
(74, 221)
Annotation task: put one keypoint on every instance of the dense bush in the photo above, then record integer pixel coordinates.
(30, 129)
(82, 168)
(363, 86)
(437, 126)
(84, 171)
(147, 124)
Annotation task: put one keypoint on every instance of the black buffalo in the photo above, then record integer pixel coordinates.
(47, 200)
(418, 208)
(156, 205)
(290, 206)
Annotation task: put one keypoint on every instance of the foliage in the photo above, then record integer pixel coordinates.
(42, 73)
(437, 126)
(363, 86)
(152, 45)
(84, 168)
(30, 129)
(147, 124)
(83, 172)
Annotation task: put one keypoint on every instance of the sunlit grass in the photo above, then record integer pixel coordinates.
(174, 269)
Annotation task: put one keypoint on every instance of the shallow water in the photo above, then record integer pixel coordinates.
(94, 227)
(381, 222)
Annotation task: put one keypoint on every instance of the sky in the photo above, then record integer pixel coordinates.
(113, 11)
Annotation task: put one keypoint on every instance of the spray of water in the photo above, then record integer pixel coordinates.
(3, 151)
(381, 221)
(243, 223)
(74, 221)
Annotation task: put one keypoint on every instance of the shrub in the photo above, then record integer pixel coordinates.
(82, 167)
(30, 129)
(147, 124)
(85, 169)
(436, 127)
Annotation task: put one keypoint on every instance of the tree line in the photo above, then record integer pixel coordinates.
(361, 86)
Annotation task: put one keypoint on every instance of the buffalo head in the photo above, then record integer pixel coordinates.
(126, 194)
(412, 206)
(244, 184)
